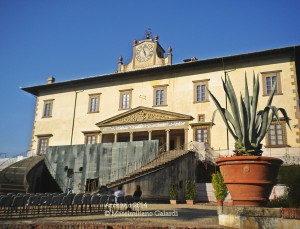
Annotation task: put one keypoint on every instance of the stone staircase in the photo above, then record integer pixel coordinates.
(13, 178)
(158, 163)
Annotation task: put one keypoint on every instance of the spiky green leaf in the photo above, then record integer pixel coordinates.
(223, 114)
(228, 88)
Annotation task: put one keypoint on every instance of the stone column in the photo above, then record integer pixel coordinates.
(116, 137)
(131, 136)
(186, 135)
(167, 140)
(100, 137)
(150, 135)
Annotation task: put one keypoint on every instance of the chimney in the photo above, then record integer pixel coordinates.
(192, 59)
(51, 79)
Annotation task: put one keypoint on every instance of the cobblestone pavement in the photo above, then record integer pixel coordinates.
(153, 215)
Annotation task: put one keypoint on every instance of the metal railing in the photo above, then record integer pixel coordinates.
(13, 159)
(162, 157)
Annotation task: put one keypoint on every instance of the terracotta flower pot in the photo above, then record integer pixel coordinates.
(249, 179)
(192, 202)
(173, 201)
(219, 202)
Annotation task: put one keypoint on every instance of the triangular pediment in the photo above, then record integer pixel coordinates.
(143, 115)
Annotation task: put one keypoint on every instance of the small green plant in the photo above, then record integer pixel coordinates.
(245, 123)
(173, 190)
(190, 189)
(219, 186)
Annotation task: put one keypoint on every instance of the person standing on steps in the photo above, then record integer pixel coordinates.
(137, 194)
(119, 193)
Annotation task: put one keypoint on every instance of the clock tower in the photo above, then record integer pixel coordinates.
(147, 53)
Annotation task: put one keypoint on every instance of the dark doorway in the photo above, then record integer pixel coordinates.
(172, 144)
(91, 185)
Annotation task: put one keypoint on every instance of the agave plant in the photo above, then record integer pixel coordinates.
(245, 123)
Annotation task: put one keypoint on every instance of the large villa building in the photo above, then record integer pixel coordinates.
(150, 122)
(150, 98)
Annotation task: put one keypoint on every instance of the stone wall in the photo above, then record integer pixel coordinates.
(255, 218)
(155, 186)
(105, 162)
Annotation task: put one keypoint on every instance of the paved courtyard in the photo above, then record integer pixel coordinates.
(147, 216)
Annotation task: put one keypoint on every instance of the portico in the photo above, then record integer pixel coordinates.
(142, 123)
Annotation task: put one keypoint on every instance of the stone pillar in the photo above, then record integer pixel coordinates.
(131, 136)
(186, 135)
(167, 140)
(116, 137)
(100, 137)
(150, 135)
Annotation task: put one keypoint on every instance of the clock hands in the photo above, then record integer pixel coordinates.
(144, 51)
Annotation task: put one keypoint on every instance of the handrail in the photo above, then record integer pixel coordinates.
(9, 161)
(157, 161)
(14, 157)
(161, 155)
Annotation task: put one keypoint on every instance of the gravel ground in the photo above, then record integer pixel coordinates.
(156, 215)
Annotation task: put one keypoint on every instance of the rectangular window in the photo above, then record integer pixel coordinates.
(94, 103)
(201, 118)
(160, 95)
(47, 111)
(202, 133)
(160, 99)
(200, 91)
(91, 139)
(269, 79)
(125, 99)
(42, 145)
(277, 134)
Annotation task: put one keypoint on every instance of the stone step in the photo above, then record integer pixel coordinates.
(155, 164)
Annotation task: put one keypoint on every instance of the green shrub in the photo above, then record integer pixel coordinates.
(173, 190)
(219, 186)
(190, 189)
(279, 202)
(290, 177)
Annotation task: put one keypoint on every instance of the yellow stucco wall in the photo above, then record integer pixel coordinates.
(179, 99)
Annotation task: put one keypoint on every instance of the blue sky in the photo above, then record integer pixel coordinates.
(74, 39)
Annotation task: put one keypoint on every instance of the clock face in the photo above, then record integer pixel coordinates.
(144, 52)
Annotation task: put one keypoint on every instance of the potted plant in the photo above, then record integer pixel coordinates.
(190, 191)
(249, 176)
(173, 192)
(220, 189)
